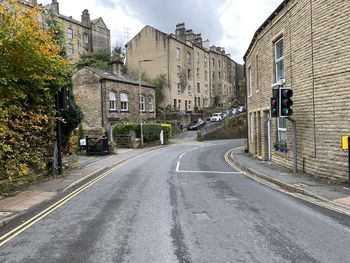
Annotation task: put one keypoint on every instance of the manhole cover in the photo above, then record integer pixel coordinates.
(201, 215)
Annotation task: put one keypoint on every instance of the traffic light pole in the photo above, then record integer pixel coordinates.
(294, 139)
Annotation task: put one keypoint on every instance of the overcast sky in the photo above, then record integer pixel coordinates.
(227, 23)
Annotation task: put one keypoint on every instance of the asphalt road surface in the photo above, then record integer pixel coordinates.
(182, 203)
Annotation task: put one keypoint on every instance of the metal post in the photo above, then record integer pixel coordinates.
(294, 134)
(58, 136)
(140, 109)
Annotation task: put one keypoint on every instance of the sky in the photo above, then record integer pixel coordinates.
(227, 23)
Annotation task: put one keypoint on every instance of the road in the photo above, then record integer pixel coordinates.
(182, 203)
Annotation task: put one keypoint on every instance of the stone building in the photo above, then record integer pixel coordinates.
(303, 45)
(185, 62)
(83, 36)
(109, 97)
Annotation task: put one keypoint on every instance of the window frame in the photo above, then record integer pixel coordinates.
(70, 33)
(178, 53)
(112, 102)
(281, 130)
(278, 60)
(142, 107)
(150, 103)
(124, 104)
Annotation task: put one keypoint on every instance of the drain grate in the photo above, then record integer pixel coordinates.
(201, 215)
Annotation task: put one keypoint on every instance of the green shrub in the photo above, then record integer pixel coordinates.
(125, 128)
(151, 132)
(200, 136)
(167, 130)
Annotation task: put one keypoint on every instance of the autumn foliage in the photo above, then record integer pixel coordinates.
(32, 70)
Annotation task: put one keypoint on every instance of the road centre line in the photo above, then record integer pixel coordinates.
(182, 155)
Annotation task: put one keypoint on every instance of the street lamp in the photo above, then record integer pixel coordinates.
(140, 108)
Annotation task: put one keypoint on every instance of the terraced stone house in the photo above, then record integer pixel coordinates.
(303, 45)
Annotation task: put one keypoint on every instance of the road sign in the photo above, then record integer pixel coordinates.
(344, 142)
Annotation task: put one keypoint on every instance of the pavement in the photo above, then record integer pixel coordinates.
(89, 166)
(325, 194)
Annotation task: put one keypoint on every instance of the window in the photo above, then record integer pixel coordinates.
(279, 59)
(249, 81)
(141, 103)
(150, 104)
(195, 101)
(179, 105)
(70, 50)
(197, 57)
(224, 75)
(213, 75)
(186, 105)
(197, 72)
(174, 104)
(205, 61)
(112, 100)
(124, 102)
(282, 130)
(219, 75)
(219, 63)
(178, 88)
(206, 75)
(206, 88)
(86, 38)
(198, 87)
(213, 62)
(189, 105)
(189, 74)
(199, 101)
(69, 33)
(189, 90)
(178, 53)
(178, 70)
(188, 58)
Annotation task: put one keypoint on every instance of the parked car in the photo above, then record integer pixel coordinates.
(196, 125)
(241, 109)
(219, 116)
(234, 111)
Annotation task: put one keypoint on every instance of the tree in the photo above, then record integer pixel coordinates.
(98, 59)
(159, 82)
(32, 71)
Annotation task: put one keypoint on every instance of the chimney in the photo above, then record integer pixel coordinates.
(180, 32)
(85, 18)
(190, 35)
(55, 7)
(115, 65)
(198, 40)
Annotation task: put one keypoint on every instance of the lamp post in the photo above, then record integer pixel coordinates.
(140, 108)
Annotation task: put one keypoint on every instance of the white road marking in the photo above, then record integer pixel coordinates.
(207, 172)
(182, 155)
(177, 166)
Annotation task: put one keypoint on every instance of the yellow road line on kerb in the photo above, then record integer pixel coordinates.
(18, 230)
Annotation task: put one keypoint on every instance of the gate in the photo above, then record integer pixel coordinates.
(96, 146)
(123, 141)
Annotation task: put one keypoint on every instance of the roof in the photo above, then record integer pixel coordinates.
(267, 21)
(70, 19)
(109, 75)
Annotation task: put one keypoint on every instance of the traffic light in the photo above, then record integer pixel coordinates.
(274, 103)
(274, 107)
(285, 102)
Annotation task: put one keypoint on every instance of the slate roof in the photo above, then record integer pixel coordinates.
(109, 75)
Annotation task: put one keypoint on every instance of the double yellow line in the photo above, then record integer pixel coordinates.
(18, 230)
